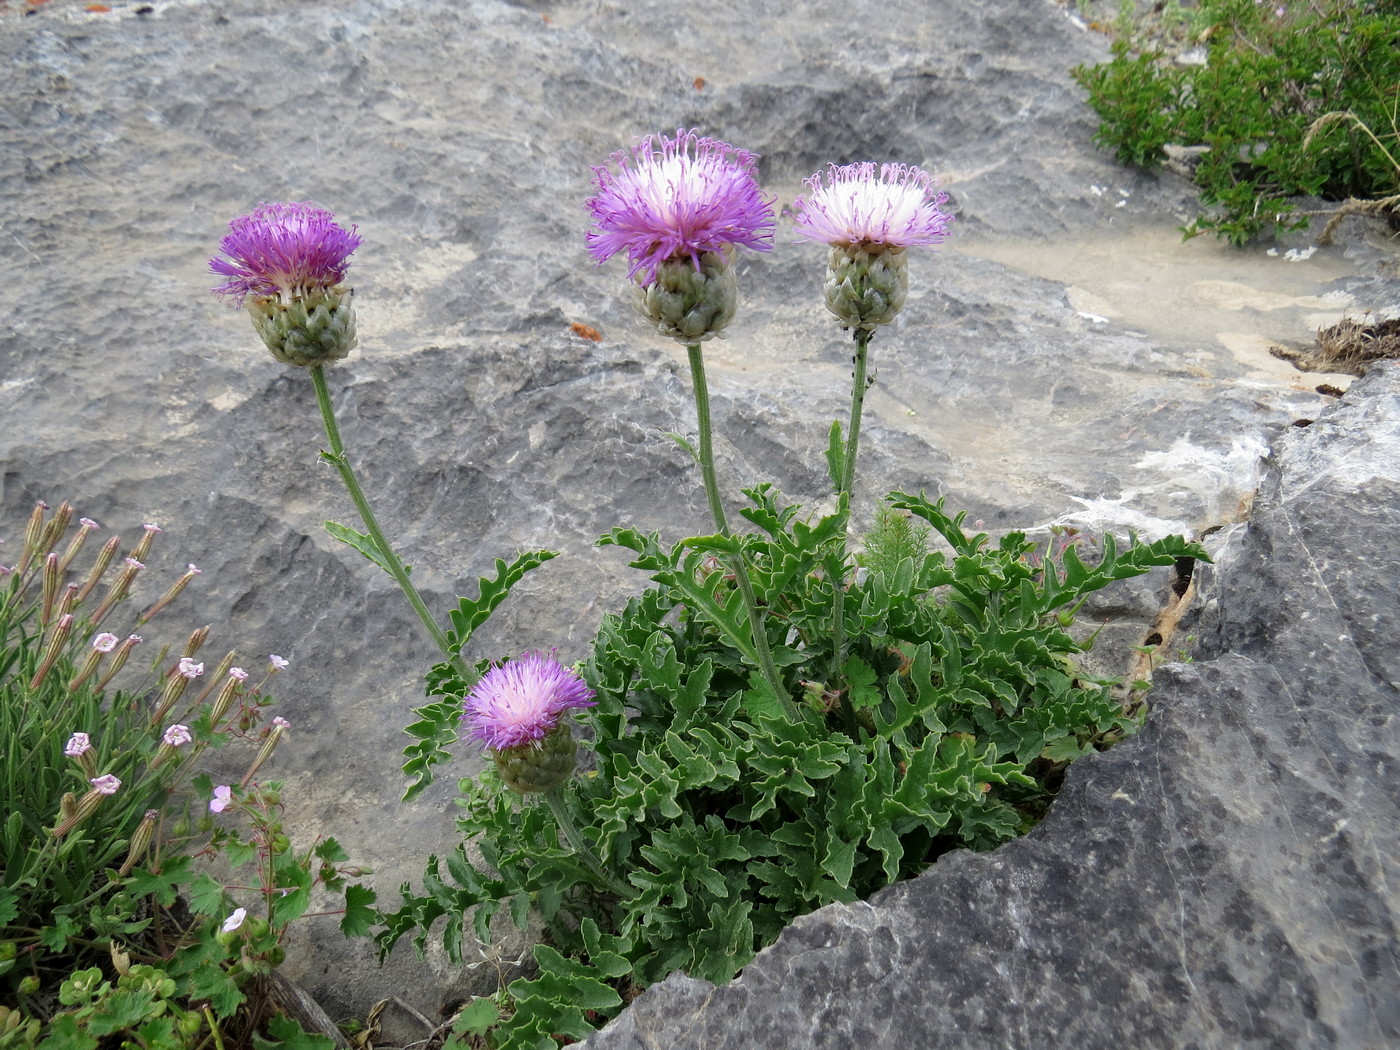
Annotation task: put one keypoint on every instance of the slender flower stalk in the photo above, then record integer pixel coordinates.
(284, 263)
(679, 207)
(706, 455)
(867, 219)
(337, 458)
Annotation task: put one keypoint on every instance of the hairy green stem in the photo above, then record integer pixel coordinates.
(554, 799)
(840, 643)
(337, 457)
(741, 572)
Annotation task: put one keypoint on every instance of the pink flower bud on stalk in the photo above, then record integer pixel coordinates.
(141, 840)
(118, 590)
(51, 580)
(57, 526)
(228, 692)
(143, 545)
(285, 263)
(79, 749)
(118, 659)
(279, 726)
(101, 646)
(177, 680)
(85, 526)
(87, 805)
(99, 568)
(61, 630)
(198, 637)
(32, 532)
(214, 679)
(169, 596)
(69, 599)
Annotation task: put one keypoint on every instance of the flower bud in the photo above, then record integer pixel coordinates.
(51, 579)
(540, 764)
(33, 531)
(87, 805)
(62, 628)
(690, 305)
(279, 726)
(57, 526)
(866, 285)
(99, 567)
(310, 329)
(140, 841)
(143, 545)
(118, 659)
(85, 526)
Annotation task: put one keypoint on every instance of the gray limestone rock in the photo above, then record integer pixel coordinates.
(458, 135)
(1226, 878)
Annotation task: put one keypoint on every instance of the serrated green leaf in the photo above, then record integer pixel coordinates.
(835, 455)
(477, 1017)
(359, 914)
(288, 1035)
(362, 543)
(206, 895)
(491, 591)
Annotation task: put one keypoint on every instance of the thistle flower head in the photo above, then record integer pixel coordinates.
(283, 251)
(521, 701)
(291, 259)
(677, 198)
(852, 205)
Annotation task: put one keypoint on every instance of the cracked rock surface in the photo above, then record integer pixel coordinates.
(1226, 878)
(458, 134)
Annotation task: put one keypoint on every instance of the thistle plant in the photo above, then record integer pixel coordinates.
(767, 730)
(285, 263)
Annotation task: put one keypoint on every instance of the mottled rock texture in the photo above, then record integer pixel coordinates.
(1226, 878)
(458, 135)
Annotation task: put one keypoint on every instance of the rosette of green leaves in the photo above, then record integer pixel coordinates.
(955, 705)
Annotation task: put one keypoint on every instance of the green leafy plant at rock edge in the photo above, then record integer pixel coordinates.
(109, 930)
(1273, 72)
(724, 819)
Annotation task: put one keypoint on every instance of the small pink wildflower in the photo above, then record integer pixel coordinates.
(522, 700)
(78, 744)
(223, 798)
(281, 723)
(189, 669)
(177, 735)
(278, 663)
(88, 523)
(134, 564)
(105, 784)
(104, 642)
(234, 920)
(152, 527)
(238, 674)
(192, 569)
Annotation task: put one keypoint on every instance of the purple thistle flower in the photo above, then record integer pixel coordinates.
(674, 198)
(520, 701)
(851, 206)
(282, 251)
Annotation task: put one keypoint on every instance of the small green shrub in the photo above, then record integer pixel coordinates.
(1273, 74)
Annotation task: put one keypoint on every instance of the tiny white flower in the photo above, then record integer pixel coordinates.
(235, 919)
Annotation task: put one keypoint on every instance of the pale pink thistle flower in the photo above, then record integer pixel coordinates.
(291, 258)
(517, 710)
(78, 744)
(234, 920)
(104, 642)
(188, 668)
(177, 735)
(106, 784)
(868, 219)
(223, 798)
(678, 206)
